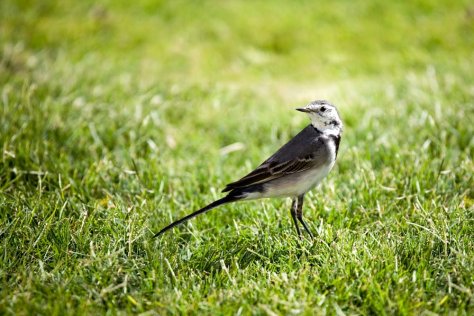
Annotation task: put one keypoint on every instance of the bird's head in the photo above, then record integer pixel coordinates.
(324, 116)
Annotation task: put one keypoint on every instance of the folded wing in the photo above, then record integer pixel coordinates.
(306, 150)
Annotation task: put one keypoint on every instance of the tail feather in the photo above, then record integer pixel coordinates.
(227, 199)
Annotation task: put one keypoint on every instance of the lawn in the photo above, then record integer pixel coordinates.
(118, 118)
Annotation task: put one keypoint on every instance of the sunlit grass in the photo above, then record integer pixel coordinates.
(113, 124)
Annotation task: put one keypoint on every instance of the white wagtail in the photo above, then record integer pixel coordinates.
(293, 170)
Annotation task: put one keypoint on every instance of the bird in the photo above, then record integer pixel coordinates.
(293, 170)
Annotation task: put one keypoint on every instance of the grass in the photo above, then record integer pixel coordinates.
(114, 121)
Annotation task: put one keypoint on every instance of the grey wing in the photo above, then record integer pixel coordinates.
(305, 151)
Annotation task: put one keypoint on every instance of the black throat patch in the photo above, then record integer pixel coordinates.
(337, 140)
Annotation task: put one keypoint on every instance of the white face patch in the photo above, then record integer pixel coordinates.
(325, 118)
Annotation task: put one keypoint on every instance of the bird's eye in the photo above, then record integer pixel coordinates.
(323, 109)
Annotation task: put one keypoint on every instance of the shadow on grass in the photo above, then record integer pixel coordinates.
(267, 249)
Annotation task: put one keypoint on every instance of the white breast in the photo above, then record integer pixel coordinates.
(312, 179)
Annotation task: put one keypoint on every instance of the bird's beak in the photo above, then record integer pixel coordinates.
(305, 110)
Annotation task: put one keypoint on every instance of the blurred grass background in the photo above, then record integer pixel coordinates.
(117, 117)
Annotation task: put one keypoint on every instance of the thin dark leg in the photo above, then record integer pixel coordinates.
(294, 206)
(299, 214)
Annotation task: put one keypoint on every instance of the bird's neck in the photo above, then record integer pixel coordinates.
(328, 129)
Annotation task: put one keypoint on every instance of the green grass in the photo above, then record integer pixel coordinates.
(113, 119)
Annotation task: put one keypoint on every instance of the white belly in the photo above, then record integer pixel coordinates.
(298, 183)
(312, 179)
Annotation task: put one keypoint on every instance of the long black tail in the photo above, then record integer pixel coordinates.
(227, 199)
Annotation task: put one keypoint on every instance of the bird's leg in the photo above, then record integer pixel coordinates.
(299, 213)
(294, 206)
